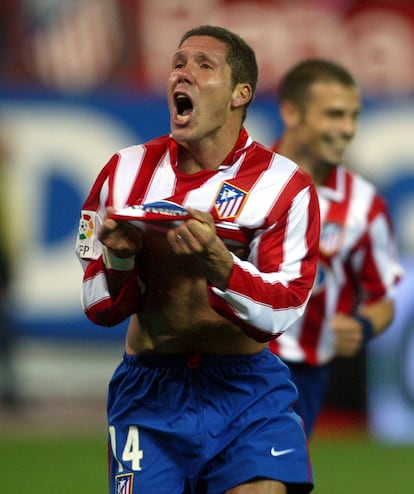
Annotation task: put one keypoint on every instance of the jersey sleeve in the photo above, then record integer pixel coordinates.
(375, 259)
(269, 291)
(102, 306)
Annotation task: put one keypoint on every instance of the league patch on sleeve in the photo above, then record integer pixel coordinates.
(85, 239)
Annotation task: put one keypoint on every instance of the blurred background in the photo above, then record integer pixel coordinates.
(80, 79)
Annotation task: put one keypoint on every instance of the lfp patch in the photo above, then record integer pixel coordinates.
(123, 483)
(229, 201)
(84, 244)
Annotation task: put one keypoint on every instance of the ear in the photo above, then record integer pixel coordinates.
(242, 94)
(290, 113)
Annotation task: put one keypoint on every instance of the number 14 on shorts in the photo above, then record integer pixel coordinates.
(130, 452)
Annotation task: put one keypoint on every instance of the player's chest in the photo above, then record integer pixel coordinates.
(342, 225)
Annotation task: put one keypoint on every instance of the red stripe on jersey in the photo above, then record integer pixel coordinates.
(338, 210)
(154, 152)
(107, 311)
(92, 202)
(336, 215)
(312, 325)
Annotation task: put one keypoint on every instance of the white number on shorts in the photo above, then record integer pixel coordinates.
(131, 450)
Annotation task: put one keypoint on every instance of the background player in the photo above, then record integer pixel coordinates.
(352, 298)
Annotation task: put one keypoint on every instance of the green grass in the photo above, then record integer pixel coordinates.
(355, 465)
(77, 465)
(58, 464)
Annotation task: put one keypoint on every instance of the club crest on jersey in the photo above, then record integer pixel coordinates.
(84, 242)
(123, 483)
(229, 201)
(331, 239)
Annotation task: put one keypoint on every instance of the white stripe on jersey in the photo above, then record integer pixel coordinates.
(128, 166)
(96, 291)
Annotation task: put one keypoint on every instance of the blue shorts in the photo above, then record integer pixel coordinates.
(312, 383)
(182, 426)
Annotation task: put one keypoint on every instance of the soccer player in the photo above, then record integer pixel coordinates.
(351, 301)
(199, 403)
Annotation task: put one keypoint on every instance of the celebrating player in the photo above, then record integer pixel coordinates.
(199, 403)
(352, 297)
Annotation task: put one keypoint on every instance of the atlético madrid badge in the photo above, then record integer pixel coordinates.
(229, 201)
(332, 235)
(123, 483)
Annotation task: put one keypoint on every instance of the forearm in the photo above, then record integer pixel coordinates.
(380, 314)
(109, 296)
(217, 264)
(260, 303)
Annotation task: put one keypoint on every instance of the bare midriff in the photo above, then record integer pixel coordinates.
(175, 315)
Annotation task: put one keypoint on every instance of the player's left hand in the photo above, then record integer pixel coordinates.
(349, 334)
(198, 236)
(193, 236)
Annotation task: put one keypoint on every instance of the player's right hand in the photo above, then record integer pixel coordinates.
(348, 334)
(121, 237)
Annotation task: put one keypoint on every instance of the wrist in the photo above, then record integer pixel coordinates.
(368, 329)
(116, 262)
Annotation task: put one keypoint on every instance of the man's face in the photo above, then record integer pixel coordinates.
(329, 121)
(199, 89)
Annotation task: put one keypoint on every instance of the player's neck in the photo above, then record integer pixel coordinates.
(207, 153)
(315, 168)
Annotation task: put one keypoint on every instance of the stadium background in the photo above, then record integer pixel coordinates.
(80, 79)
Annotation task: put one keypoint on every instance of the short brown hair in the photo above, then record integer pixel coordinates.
(240, 56)
(295, 85)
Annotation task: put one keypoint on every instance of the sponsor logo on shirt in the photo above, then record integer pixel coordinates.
(164, 207)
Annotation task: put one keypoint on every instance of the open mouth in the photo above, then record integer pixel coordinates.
(184, 106)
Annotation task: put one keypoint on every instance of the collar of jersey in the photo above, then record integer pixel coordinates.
(334, 186)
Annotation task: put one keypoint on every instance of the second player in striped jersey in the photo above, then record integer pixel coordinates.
(352, 299)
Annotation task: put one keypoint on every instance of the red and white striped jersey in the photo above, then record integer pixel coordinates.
(258, 199)
(358, 264)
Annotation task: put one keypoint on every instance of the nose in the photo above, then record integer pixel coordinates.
(183, 76)
(349, 124)
(184, 73)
